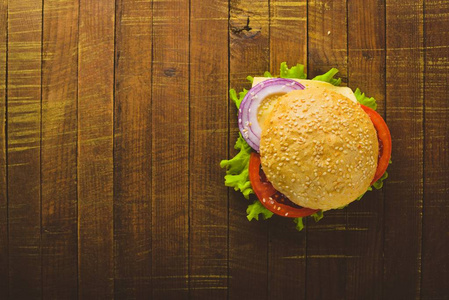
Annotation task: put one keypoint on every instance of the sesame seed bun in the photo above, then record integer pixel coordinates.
(319, 148)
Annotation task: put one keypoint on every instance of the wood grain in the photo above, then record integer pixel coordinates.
(249, 55)
(366, 70)
(208, 238)
(132, 150)
(59, 150)
(287, 246)
(170, 148)
(288, 33)
(4, 268)
(23, 148)
(114, 116)
(95, 149)
(404, 114)
(326, 248)
(435, 254)
(327, 37)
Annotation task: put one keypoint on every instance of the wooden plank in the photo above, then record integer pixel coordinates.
(327, 37)
(366, 70)
(249, 55)
(288, 33)
(23, 147)
(326, 247)
(404, 114)
(287, 246)
(435, 258)
(170, 148)
(132, 154)
(208, 239)
(4, 276)
(59, 150)
(95, 148)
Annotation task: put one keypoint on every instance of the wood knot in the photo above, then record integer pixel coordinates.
(366, 55)
(244, 31)
(238, 30)
(170, 72)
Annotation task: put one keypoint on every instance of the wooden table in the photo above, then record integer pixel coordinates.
(117, 115)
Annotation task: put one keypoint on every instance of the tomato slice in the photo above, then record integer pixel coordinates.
(272, 199)
(384, 136)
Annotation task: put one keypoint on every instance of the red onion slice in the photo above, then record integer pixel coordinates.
(248, 123)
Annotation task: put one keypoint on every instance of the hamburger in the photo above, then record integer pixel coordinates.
(306, 146)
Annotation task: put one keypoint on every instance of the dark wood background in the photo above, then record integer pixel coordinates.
(117, 115)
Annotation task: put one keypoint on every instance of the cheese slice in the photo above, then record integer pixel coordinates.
(345, 91)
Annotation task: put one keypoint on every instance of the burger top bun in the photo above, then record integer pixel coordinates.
(319, 148)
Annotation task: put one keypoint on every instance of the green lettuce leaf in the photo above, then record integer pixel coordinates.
(267, 74)
(299, 223)
(380, 182)
(237, 168)
(362, 99)
(237, 99)
(329, 77)
(295, 72)
(318, 215)
(377, 185)
(255, 209)
(237, 173)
